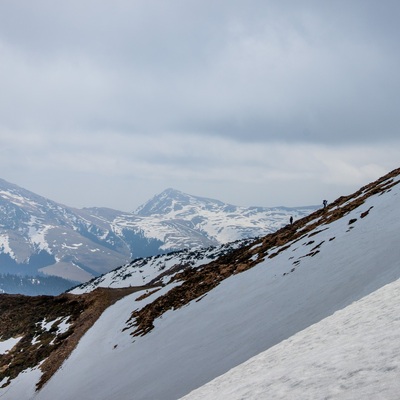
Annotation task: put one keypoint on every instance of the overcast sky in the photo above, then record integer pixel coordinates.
(252, 102)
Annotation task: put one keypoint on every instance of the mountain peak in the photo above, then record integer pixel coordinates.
(171, 192)
(172, 201)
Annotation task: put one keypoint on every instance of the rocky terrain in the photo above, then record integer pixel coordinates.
(45, 329)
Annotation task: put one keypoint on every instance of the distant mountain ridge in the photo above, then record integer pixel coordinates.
(38, 235)
(215, 220)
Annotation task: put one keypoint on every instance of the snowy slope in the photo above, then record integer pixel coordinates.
(329, 264)
(353, 354)
(146, 271)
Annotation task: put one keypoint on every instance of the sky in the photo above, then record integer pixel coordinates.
(255, 103)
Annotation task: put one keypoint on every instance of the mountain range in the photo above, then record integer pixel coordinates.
(309, 311)
(38, 235)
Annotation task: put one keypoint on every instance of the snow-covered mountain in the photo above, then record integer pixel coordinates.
(38, 235)
(215, 221)
(315, 303)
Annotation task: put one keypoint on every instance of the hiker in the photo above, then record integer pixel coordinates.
(325, 202)
(291, 220)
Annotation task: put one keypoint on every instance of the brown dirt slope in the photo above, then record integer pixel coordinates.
(22, 317)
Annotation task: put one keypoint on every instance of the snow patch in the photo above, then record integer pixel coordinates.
(7, 345)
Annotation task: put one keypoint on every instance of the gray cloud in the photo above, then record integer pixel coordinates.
(134, 90)
(306, 71)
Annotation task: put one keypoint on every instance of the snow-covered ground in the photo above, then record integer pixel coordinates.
(353, 354)
(7, 345)
(141, 271)
(275, 307)
(23, 386)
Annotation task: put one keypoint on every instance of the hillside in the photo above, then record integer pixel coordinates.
(40, 237)
(353, 354)
(201, 320)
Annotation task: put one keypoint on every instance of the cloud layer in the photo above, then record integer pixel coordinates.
(285, 97)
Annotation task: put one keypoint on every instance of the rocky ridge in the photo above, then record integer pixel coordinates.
(195, 283)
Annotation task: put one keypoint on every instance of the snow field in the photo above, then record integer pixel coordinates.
(353, 354)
